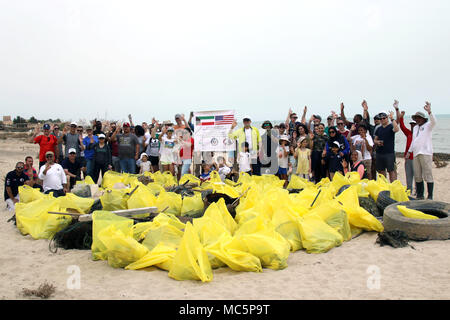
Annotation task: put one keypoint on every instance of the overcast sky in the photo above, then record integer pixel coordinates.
(82, 59)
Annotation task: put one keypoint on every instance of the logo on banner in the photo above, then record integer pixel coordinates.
(214, 142)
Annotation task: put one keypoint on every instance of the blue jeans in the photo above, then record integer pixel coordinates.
(186, 166)
(90, 167)
(128, 165)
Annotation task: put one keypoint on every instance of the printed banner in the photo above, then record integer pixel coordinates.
(211, 130)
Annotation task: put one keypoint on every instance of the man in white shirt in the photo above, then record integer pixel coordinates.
(53, 176)
(422, 148)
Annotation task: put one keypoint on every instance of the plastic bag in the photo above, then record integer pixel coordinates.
(169, 179)
(87, 180)
(209, 231)
(192, 206)
(261, 240)
(110, 178)
(225, 249)
(298, 183)
(358, 217)
(191, 178)
(161, 256)
(101, 220)
(166, 234)
(72, 201)
(121, 248)
(155, 188)
(28, 194)
(415, 214)
(398, 191)
(115, 199)
(141, 198)
(191, 261)
(33, 218)
(333, 214)
(317, 236)
(286, 223)
(171, 200)
(218, 211)
(140, 230)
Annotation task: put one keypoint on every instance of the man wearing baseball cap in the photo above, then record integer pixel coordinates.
(53, 177)
(89, 141)
(46, 141)
(128, 148)
(422, 148)
(250, 135)
(269, 144)
(73, 166)
(72, 139)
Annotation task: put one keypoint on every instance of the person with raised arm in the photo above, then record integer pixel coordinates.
(422, 148)
(128, 146)
(409, 161)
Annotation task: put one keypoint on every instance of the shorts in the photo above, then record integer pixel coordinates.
(166, 163)
(385, 161)
(282, 170)
(154, 160)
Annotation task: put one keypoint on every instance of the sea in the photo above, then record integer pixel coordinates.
(440, 140)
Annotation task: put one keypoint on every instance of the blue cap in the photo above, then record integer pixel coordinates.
(46, 126)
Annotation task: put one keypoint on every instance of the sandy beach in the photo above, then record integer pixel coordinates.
(341, 273)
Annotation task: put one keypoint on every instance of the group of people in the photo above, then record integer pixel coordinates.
(310, 149)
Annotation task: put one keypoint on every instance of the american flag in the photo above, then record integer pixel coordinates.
(225, 119)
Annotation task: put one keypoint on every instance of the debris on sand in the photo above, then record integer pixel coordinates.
(44, 291)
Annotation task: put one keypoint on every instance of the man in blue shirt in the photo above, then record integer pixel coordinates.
(89, 152)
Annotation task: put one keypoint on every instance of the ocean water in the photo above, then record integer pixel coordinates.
(441, 133)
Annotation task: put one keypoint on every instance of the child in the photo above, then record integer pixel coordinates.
(224, 170)
(145, 164)
(167, 149)
(333, 160)
(283, 161)
(244, 159)
(303, 156)
(206, 172)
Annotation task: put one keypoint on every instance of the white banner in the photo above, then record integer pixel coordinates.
(211, 130)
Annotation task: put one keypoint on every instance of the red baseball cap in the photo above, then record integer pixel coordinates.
(126, 124)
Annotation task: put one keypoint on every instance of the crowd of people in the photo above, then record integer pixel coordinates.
(309, 148)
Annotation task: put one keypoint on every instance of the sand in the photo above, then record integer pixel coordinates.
(344, 272)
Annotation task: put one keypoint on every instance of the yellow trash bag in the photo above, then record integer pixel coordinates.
(28, 194)
(317, 236)
(87, 180)
(415, 214)
(338, 181)
(72, 201)
(171, 200)
(164, 218)
(218, 211)
(191, 261)
(334, 215)
(398, 191)
(121, 248)
(358, 217)
(191, 178)
(215, 177)
(225, 250)
(245, 215)
(140, 230)
(298, 183)
(192, 206)
(114, 199)
(166, 234)
(353, 177)
(261, 240)
(141, 198)
(161, 256)
(209, 231)
(110, 178)
(33, 218)
(101, 220)
(285, 221)
(324, 195)
(155, 188)
(169, 179)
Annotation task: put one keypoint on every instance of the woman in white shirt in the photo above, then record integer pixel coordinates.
(363, 142)
(167, 150)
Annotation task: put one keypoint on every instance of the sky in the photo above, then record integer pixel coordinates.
(85, 59)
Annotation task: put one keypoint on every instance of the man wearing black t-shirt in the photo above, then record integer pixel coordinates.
(385, 142)
(14, 179)
(73, 166)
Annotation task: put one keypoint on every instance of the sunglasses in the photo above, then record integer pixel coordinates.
(383, 118)
(80, 130)
(49, 156)
(340, 124)
(331, 131)
(19, 167)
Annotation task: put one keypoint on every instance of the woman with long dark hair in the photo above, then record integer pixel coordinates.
(318, 141)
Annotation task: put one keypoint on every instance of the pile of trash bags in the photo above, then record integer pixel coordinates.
(270, 222)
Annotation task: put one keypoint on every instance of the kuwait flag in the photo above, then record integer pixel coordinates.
(215, 120)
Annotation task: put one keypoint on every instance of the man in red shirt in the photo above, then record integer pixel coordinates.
(31, 173)
(409, 168)
(46, 141)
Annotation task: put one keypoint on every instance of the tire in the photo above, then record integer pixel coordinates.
(384, 199)
(369, 204)
(420, 229)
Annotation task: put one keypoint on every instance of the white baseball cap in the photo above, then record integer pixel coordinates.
(74, 124)
(72, 150)
(101, 135)
(246, 117)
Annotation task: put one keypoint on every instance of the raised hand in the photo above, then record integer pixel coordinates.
(427, 107)
(391, 115)
(396, 104)
(234, 124)
(403, 114)
(342, 106)
(305, 109)
(364, 105)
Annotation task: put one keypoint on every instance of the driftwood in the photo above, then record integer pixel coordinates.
(122, 213)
